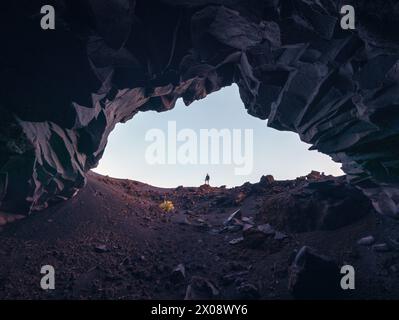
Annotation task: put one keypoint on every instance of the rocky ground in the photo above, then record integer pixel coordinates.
(270, 240)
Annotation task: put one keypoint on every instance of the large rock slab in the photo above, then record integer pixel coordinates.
(327, 204)
(314, 276)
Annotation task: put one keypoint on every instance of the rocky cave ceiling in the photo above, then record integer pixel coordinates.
(62, 91)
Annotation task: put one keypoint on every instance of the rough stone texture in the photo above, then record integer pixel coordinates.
(314, 276)
(63, 91)
(325, 204)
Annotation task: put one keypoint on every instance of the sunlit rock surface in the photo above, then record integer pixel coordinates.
(64, 90)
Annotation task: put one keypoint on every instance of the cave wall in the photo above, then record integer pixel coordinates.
(62, 91)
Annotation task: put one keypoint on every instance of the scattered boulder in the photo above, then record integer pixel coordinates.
(314, 175)
(179, 273)
(232, 219)
(266, 180)
(232, 229)
(366, 241)
(325, 204)
(240, 197)
(248, 220)
(201, 224)
(181, 219)
(234, 277)
(236, 241)
(101, 248)
(280, 236)
(381, 247)
(248, 291)
(255, 236)
(201, 289)
(314, 276)
(266, 229)
(300, 179)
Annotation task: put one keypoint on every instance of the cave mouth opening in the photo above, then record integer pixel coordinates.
(214, 136)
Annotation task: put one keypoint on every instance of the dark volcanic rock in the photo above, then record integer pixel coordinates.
(256, 236)
(63, 91)
(314, 276)
(201, 289)
(366, 241)
(266, 180)
(324, 204)
(179, 273)
(231, 220)
(248, 291)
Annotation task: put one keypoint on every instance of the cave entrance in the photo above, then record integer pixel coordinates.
(214, 135)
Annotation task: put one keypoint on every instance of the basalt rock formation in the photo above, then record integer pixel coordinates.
(62, 91)
(324, 204)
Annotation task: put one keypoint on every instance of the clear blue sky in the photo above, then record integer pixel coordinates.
(280, 154)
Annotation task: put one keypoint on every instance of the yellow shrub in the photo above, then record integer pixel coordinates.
(167, 206)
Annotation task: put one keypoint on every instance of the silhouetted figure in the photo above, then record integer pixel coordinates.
(207, 178)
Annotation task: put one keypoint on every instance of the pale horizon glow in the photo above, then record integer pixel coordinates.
(278, 153)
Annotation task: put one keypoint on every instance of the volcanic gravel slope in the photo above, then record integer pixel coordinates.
(112, 241)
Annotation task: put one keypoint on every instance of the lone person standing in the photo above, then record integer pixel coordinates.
(207, 178)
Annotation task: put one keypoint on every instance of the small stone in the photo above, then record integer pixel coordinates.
(381, 247)
(215, 231)
(179, 273)
(231, 229)
(182, 220)
(246, 227)
(201, 224)
(240, 198)
(366, 241)
(280, 236)
(255, 236)
(101, 248)
(236, 241)
(248, 291)
(234, 277)
(266, 229)
(248, 220)
(231, 219)
(201, 289)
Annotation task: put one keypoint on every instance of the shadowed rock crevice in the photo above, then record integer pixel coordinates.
(64, 90)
